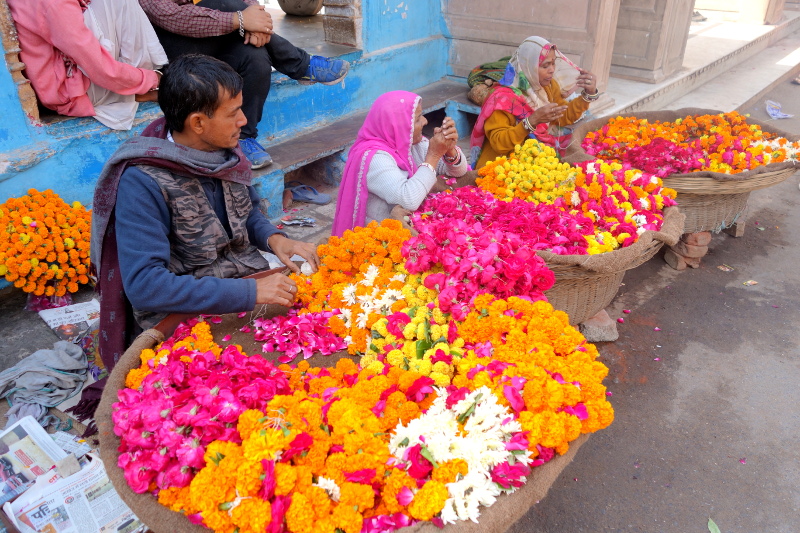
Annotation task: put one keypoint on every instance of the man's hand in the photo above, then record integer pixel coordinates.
(149, 96)
(256, 20)
(256, 39)
(285, 248)
(276, 289)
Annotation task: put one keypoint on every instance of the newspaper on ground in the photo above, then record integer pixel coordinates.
(71, 321)
(84, 502)
(71, 444)
(26, 452)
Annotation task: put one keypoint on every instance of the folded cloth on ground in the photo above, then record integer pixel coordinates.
(43, 379)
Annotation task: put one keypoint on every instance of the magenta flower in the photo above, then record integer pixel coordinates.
(519, 441)
(508, 476)
(268, 484)
(514, 398)
(299, 444)
(396, 323)
(420, 388)
(279, 506)
(364, 476)
(405, 496)
(419, 467)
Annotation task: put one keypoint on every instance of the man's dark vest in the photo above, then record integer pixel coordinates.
(199, 244)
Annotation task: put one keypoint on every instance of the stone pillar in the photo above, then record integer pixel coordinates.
(651, 38)
(342, 22)
(486, 31)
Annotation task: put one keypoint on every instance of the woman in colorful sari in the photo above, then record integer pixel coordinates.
(392, 166)
(529, 103)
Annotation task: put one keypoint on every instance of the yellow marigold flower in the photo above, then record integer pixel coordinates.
(441, 380)
(428, 501)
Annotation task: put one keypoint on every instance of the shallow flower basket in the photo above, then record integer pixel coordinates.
(497, 518)
(711, 201)
(586, 284)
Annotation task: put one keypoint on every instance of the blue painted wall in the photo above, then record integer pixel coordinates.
(405, 47)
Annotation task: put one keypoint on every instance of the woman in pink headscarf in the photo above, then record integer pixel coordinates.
(392, 164)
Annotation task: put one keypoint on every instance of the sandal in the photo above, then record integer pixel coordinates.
(796, 81)
(306, 193)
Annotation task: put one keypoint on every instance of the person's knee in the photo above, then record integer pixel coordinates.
(249, 61)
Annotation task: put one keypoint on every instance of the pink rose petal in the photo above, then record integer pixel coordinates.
(626, 311)
(621, 320)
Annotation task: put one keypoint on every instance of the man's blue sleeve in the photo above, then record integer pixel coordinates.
(142, 228)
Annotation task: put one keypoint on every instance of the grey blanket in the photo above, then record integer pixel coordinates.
(42, 380)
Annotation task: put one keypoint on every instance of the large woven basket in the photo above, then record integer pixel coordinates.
(711, 201)
(586, 284)
(495, 519)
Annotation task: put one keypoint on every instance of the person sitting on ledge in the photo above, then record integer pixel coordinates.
(89, 60)
(392, 165)
(176, 221)
(528, 103)
(239, 32)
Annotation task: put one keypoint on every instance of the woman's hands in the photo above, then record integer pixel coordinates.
(443, 142)
(547, 113)
(587, 81)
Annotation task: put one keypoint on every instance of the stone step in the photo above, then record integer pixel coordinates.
(748, 82)
(320, 153)
(714, 47)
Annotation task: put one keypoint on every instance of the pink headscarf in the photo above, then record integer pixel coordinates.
(389, 127)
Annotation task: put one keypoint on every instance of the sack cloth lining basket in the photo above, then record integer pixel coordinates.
(586, 284)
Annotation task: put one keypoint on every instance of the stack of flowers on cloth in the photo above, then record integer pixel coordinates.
(609, 204)
(44, 243)
(451, 402)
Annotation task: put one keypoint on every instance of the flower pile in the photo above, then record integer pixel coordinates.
(532, 172)
(294, 334)
(186, 394)
(596, 207)
(370, 447)
(621, 202)
(720, 143)
(44, 243)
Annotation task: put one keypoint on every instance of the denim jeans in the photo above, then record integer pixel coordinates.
(253, 64)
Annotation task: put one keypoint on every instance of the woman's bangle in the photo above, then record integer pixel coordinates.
(241, 23)
(426, 164)
(454, 160)
(527, 125)
(590, 97)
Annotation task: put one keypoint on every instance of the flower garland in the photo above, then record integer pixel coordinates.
(44, 243)
(719, 143)
(361, 277)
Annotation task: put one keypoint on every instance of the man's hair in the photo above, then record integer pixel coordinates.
(193, 83)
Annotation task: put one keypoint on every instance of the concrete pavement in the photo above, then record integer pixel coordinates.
(708, 408)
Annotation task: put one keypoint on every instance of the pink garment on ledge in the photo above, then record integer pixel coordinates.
(46, 28)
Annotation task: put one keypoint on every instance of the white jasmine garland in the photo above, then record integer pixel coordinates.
(487, 427)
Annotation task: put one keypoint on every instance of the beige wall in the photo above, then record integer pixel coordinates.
(651, 38)
(488, 30)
